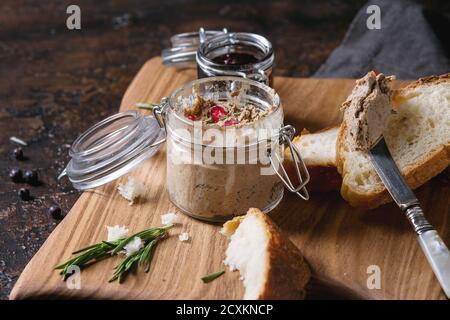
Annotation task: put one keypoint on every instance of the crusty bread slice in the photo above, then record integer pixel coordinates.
(271, 267)
(318, 151)
(418, 137)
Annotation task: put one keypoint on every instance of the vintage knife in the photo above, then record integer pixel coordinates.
(432, 245)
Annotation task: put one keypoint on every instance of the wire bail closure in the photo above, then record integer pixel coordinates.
(159, 112)
(184, 48)
(286, 134)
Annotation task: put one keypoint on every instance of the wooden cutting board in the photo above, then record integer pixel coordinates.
(339, 242)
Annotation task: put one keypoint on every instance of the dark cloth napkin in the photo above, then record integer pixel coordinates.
(411, 43)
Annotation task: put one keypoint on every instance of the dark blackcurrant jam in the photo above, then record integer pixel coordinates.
(235, 59)
(236, 54)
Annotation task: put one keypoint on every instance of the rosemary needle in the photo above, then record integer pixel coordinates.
(145, 105)
(210, 277)
(18, 141)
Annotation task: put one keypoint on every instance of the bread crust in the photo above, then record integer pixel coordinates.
(402, 94)
(340, 148)
(322, 178)
(426, 168)
(433, 80)
(286, 272)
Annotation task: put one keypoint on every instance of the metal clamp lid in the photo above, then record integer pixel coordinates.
(185, 45)
(286, 135)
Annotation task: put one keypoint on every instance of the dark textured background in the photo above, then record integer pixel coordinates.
(55, 83)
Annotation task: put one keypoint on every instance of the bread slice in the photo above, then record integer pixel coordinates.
(271, 267)
(418, 137)
(318, 151)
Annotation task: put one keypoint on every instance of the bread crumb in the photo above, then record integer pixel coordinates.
(116, 232)
(183, 236)
(169, 218)
(230, 226)
(132, 189)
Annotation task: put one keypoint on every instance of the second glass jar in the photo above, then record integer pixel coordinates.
(239, 54)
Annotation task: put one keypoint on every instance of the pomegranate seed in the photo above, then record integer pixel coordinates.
(217, 112)
(192, 117)
(231, 122)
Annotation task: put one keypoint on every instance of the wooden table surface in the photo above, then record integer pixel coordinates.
(55, 83)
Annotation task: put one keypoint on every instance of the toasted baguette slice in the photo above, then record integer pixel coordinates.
(318, 151)
(270, 265)
(418, 137)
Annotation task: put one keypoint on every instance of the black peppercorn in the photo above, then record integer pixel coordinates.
(56, 212)
(31, 177)
(16, 175)
(18, 153)
(24, 194)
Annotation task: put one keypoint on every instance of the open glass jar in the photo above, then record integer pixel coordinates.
(214, 171)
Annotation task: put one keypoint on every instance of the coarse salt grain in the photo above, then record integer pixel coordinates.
(183, 236)
(133, 246)
(169, 218)
(116, 232)
(132, 189)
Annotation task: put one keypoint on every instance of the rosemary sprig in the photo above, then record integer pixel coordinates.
(147, 255)
(142, 257)
(104, 249)
(145, 105)
(212, 276)
(125, 266)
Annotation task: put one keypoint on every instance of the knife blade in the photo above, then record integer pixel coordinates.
(435, 250)
(390, 174)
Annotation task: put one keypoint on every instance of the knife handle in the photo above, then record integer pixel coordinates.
(417, 219)
(438, 257)
(433, 247)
